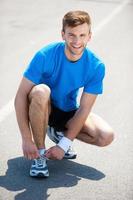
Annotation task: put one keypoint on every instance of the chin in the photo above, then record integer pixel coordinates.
(78, 53)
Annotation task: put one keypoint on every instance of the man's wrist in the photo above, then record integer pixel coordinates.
(65, 143)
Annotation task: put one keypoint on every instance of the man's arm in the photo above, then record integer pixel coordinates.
(76, 123)
(22, 113)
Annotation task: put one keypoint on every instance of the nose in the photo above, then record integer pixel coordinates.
(76, 40)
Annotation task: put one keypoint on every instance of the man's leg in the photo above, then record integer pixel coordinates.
(39, 109)
(96, 131)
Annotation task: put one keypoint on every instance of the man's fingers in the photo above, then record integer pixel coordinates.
(33, 155)
(48, 151)
(26, 155)
(47, 154)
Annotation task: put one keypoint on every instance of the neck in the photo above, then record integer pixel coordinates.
(72, 57)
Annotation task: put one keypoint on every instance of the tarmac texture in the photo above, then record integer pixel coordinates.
(97, 173)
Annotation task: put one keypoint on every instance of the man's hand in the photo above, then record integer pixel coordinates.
(30, 150)
(55, 153)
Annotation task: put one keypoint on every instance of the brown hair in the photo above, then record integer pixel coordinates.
(75, 18)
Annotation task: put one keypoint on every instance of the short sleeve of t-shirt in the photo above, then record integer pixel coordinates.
(35, 69)
(95, 84)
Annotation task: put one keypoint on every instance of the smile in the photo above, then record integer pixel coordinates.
(76, 47)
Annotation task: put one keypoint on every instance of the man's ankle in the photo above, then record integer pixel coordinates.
(42, 151)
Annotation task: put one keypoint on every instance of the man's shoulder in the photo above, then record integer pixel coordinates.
(94, 60)
(52, 47)
(92, 56)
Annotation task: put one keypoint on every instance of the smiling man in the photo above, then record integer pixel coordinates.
(76, 39)
(46, 101)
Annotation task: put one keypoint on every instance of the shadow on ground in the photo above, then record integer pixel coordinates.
(64, 173)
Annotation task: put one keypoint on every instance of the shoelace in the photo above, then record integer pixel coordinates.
(40, 161)
(70, 150)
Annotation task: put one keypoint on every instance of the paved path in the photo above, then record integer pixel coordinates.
(97, 173)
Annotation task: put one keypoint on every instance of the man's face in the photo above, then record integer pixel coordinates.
(76, 39)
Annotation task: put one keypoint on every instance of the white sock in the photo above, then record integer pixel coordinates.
(41, 151)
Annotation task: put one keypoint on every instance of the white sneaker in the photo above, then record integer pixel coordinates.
(39, 167)
(70, 154)
(55, 136)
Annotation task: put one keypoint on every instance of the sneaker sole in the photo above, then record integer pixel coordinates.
(39, 175)
(72, 157)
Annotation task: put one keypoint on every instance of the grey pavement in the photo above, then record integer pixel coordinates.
(97, 173)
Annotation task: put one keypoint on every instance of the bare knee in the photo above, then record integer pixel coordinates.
(105, 138)
(39, 94)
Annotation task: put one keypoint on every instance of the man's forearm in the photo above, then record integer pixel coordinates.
(76, 123)
(21, 107)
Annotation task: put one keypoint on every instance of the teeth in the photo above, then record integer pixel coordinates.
(76, 47)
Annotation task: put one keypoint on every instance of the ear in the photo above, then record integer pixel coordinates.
(63, 35)
(89, 36)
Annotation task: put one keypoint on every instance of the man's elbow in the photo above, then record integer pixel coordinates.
(16, 101)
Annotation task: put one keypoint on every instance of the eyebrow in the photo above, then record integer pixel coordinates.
(75, 34)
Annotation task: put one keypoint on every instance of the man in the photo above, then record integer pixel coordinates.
(46, 101)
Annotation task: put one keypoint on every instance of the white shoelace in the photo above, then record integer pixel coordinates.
(41, 160)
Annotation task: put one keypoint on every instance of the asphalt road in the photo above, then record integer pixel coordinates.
(97, 173)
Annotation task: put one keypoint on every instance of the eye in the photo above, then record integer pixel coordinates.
(82, 35)
(71, 35)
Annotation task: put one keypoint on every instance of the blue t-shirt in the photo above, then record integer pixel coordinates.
(50, 66)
